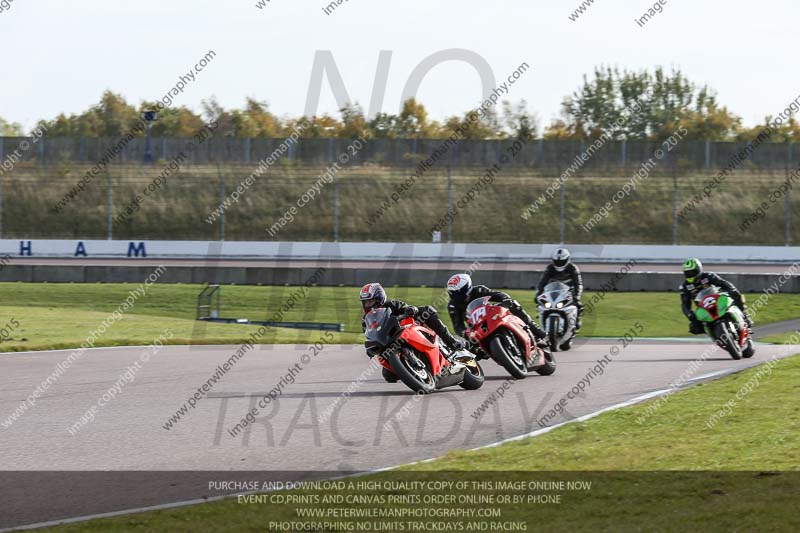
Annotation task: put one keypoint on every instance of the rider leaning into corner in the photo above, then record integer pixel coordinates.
(462, 293)
(564, 270)
(696, 281)
(373, 296)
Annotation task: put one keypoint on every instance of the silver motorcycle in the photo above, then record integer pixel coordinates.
(558, 315)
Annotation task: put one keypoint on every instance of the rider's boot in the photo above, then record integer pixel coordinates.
(539, 335)
(448, 339)
(578, 317)
(748, 321)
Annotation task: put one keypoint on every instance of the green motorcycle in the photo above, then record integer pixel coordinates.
(724, 322)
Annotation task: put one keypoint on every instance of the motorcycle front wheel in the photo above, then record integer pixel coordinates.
(552, 332)
(725, 334)
(413, 369)
(506, 353)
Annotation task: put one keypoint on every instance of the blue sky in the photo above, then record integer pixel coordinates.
(60, 56)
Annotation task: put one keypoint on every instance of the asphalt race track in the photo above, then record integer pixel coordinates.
(369, 430)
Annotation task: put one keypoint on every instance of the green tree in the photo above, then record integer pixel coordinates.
(321, 127)
(384, 126)
(353, 123)
(642, 105)
(174, 122)
(519, 121)
(789, 131)
(10, 129)
(255, 121)
(112, 117)
(413, 120)
(475, 127)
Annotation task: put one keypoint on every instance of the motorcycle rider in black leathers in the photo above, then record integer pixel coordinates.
(462, 293)
(695, 281)
(373, 295)
(563, 270)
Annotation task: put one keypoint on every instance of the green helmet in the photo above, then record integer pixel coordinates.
(692, 268)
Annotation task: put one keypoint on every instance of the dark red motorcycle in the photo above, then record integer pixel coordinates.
(507, 339)
(414, 354)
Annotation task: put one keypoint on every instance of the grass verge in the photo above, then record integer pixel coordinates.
(53, 316)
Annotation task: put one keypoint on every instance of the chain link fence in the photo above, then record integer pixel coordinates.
(539, 156)
(357, 205)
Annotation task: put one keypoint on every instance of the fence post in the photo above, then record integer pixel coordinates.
(221, 203)
(563, 217)
(624, 153)
(675, 207)
(2, 157)
(1, 205)
(788, 230)
(449, 202)
(110, 206)
(335, 209)
(708, 154)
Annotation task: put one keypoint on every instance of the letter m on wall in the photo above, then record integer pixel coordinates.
(134, 250)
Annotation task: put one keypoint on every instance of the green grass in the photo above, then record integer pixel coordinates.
(762, 432)
(789, 337)
(179, 209)
(62, 315)
(669, 473)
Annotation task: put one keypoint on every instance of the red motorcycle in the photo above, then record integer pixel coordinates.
(414, 354)
(505, 337)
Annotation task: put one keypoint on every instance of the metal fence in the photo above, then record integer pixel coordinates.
(357, 204)
(541, 155)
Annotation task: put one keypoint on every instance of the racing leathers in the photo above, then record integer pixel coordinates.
(426, 315)
(704, 281)
(458, 311)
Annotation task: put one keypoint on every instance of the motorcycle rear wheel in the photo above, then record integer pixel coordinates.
(549, 368)
(473, 378)
(750, 349)
(420, 380)
(506, 356)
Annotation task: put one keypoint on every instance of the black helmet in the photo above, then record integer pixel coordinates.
(561, 259)
(692, 269)
(372, 295)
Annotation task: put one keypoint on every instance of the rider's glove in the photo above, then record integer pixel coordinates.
(410, 311)
(696, 327)
(511, 304)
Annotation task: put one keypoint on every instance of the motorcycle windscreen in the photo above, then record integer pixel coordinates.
(475, 311)
(557, 292)
(705, 293)
(381, 326)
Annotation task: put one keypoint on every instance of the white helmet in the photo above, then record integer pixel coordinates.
(459, 286)
(561, 259)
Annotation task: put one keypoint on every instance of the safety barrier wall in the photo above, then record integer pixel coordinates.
(364, 251)
(390, 276)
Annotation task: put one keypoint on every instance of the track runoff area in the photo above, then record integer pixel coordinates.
(174, 430)
(179, 432)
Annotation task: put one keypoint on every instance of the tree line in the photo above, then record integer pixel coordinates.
(667, 101)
